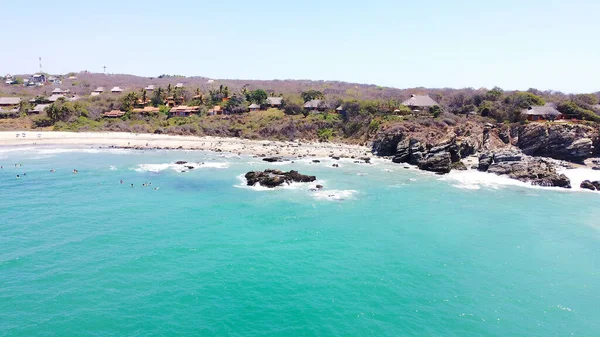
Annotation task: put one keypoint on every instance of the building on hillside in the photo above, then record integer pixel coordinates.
(149, 88)
(216, 110)
(420, 102)
(254, 107)
(54, 80)
(340, 109)
(97, 92)
(275, 102)
(183, 111)
(316, 105)
(39, 108)
(10, 102)
(9, 112)
(55, 97)
(59, 91)
(179, 85)
(116, 90)
(38, 79)
(542, 113)
(114, 114)
(148, 110)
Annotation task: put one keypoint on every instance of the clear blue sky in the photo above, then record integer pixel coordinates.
(515, 44)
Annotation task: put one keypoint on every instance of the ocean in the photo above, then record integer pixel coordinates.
(382, 250)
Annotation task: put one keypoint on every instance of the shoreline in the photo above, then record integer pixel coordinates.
(267, 148)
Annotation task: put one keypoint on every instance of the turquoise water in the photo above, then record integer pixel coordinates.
(383, 251)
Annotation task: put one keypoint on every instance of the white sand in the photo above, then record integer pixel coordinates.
(144, 141)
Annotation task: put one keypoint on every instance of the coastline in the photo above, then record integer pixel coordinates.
(267, 148)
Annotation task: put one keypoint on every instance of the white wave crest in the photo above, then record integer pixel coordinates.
(335, 195)
(475, 180)
(155, 168)
(580, 174)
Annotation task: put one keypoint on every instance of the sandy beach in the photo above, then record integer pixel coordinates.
(296, 148)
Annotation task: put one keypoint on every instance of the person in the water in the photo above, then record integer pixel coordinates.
(18, 176)
(52, 171)
(132, 185)
(75, 171)
(121, 181)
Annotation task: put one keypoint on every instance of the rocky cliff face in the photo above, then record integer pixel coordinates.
(516, 151)
(571, 142)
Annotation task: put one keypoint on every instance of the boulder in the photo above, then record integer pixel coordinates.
(586, 184)
(485, 160)
(459, 165)
(436, 162)
(536, 171)
(273, 159)
(273, 178)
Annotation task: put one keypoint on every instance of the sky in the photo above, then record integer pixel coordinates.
(513, 44)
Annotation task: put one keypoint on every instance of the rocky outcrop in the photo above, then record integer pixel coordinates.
(515, 165)
(590, 185)
(571, 142)
(438, 159)
(274, 178)
(274, 159)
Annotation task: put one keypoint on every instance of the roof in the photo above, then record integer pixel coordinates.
(150, 87)
(58, 91)
(116, 89)
(545, 110)
(316, 103)
(340, 108)
(274, 100)
(146, 109)
(185, 108)
(99, 89)
(179, 85)
(40, 107)
(254, 106)
(421, 101)
(55, 97)
(114, 113)
(216, 109)
(10, 100)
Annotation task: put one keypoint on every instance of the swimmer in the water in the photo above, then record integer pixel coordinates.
(131, 185)
(121, 181)
(75, 171)
(53, 170)
(18, 176)
(156, 188)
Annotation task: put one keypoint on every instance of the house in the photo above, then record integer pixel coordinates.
(149, 88)
(9, 113)
(179, 85)
(10, 102)
(254, 107)
(183, 111)
(114, 114)
(340, 109)
(39, 108)
(59, 91)
(116, 90)
(275, 102)
(217, 110)
(148, 110)
(38, 79)
(420, 102)
(54, 80)
(541, 113)
(316, 105)
(55, 98)
(98, 91)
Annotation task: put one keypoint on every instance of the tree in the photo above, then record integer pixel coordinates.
(258, 96)
(236, 104)
(144, 96)
(128, 102)
(525, 100)
(494, 95)
(292, 109)
(157, 97)
(311, 94)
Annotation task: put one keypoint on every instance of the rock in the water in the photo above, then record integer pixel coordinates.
(180, 162)
(536, 171)
(319, 187)
(485, 160)
(437, 162)
(316, 161)
(459, 165)
(273, 159)
(588, 185)
(274, 178)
